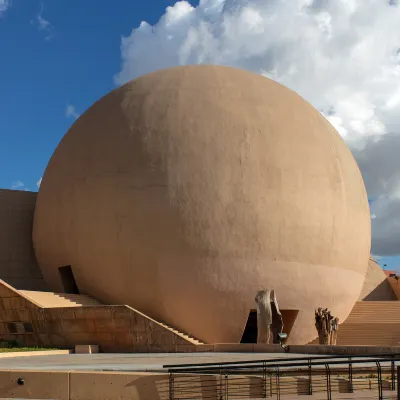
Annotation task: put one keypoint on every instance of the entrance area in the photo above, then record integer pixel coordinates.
(68, 280)
(250, 330)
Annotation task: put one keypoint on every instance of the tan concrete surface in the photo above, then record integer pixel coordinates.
(128, 362)
(113, 328)
(375, 323)
(395, 285)
(59, 300)
(86, 349)
(144, 386)
(186, 191)
(376, 286)
(18, 265)
(39, 353)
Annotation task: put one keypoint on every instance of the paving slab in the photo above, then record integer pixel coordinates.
(129, 362)
(133, 362)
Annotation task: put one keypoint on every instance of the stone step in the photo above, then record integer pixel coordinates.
(372, 323)
(185, 336)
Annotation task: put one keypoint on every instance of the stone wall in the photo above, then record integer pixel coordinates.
(18, 265)
(113, 328)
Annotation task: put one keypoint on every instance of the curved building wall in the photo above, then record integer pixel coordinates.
(186, 191)
(18, 265)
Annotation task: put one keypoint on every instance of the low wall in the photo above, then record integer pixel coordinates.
(296, 349)
(83, 385)
(147, 386)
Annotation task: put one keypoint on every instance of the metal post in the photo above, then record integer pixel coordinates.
(309, 378)
(220, 384)
(328, 382)
(226, 387)
(398, 380)
(393, 375)
(278, 388)
(171, 386)
(351, 388)
(380, 390)
(264, 377)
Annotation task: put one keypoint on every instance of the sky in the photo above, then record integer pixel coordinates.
(343, 56)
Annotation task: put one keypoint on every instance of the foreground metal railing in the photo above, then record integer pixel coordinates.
(355, 376)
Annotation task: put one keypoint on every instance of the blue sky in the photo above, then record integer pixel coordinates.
(57, 57)
(54, 54)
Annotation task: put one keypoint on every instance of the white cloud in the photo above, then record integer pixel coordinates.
(39, 182)
(70, 111)
(341, 55)
(4, 4)
(19, 185)
(43, 24)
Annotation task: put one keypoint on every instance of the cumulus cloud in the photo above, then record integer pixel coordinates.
(70, 111)
(341, 55)
(379, 162)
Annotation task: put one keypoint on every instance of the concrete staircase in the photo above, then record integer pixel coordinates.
(372, 323)
(182, 335)
(59, 300)
(62, 300)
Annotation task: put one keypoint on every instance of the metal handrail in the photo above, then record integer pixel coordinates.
(236, 373)
(280, 360)
(260, 364)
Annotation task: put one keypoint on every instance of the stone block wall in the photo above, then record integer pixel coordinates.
(113, 328)
(18, 265)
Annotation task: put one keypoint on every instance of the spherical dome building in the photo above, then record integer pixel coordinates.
(184, 192)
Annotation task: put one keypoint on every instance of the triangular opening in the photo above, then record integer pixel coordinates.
(250, 330)
(68, 280)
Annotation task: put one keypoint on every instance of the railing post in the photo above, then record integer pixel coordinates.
(309, 378)
(393, 375)
(220, 384)
(278, 387)
(380, 389)
(226, 387)
(264, 379)
(398, 380)
(328, 382)
(351, 388)
(171, 386)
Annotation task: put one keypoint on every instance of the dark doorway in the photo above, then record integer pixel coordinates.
(250, 331)
(68, 280)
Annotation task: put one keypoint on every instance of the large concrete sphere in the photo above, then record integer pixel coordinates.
(186, 191)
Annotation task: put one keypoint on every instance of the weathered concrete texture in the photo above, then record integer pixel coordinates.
(18, 264)
(377, 286)
(113, 328)
(147, 386)
(186, 191)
